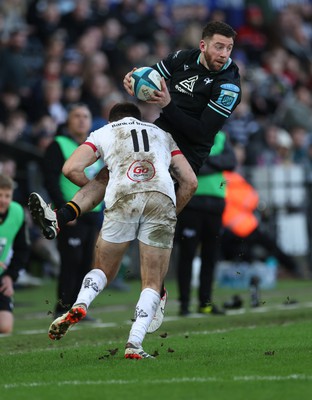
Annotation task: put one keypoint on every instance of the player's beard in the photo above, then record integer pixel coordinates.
(212, 65)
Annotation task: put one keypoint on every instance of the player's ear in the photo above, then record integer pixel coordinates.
(202, 45)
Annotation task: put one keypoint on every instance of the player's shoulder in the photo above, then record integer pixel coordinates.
(186, 55)
(230, 76)
(232, 70)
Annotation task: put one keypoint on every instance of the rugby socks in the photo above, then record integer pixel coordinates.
(144, 313)
(69, 212)
(162, 290)
(92, 285)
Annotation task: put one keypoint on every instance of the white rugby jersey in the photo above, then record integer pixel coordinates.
(138, 155)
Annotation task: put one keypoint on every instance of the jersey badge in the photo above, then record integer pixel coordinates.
(227, 99)
(186, 67)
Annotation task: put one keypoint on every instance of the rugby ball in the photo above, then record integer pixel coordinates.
(144, 81)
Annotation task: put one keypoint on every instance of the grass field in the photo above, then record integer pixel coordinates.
(263, 353)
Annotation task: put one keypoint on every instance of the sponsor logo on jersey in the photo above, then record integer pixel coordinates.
(176, 54)
(207, 81)
(187, 85)
(231, 87)
(140, 171)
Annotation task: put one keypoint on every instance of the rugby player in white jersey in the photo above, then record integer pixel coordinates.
(141, 202)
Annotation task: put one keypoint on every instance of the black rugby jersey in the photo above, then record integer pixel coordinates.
(201, 102)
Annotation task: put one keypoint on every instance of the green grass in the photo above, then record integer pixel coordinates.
(261, 353)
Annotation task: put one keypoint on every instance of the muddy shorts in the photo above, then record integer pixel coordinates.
(149, 216)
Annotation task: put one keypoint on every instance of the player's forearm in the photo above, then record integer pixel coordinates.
(184, 195)
(196, 131)
(79, 178)
(182, 172)
(90, 195)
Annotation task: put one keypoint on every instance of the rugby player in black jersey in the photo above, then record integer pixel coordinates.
(204, 89)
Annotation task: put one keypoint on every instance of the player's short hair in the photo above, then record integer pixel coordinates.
(219, 28)
(122, 110)
(6, 182)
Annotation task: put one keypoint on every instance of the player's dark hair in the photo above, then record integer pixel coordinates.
(219, 28)
(122, 110)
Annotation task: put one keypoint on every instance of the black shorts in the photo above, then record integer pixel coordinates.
(6, 303)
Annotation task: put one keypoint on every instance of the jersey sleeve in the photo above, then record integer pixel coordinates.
(166, 66)
(225, 96)
(174, 149)
(92, 141)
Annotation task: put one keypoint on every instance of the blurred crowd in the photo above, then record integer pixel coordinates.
(54, 53)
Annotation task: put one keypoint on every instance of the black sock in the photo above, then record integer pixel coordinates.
(162, 290)
(68, 213)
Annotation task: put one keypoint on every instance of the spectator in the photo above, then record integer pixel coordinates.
(12, 67)
(50, 103)
(300, 139)
(77, 21)
(44, 17)
(295, 109)
(269, 148)
(252, 36)
(95, 91)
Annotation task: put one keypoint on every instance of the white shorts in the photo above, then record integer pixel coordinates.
(149, 216)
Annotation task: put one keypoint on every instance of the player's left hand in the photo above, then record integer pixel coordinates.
(127, 82)
(161, 97)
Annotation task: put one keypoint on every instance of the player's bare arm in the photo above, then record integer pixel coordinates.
(181, 170)
(90, 195)
(75, 165)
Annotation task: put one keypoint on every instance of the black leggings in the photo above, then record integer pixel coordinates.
(197, 228)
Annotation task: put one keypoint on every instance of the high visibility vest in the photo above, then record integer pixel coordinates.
(8, 231)
(240, 202)
(68, 188)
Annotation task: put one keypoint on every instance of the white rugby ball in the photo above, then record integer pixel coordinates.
(144, 81)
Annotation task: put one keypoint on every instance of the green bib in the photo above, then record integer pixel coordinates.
(9, 230)
(68, 188)
(213, 184)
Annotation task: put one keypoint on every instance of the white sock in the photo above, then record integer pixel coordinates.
(92, 285)
(144, 313)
